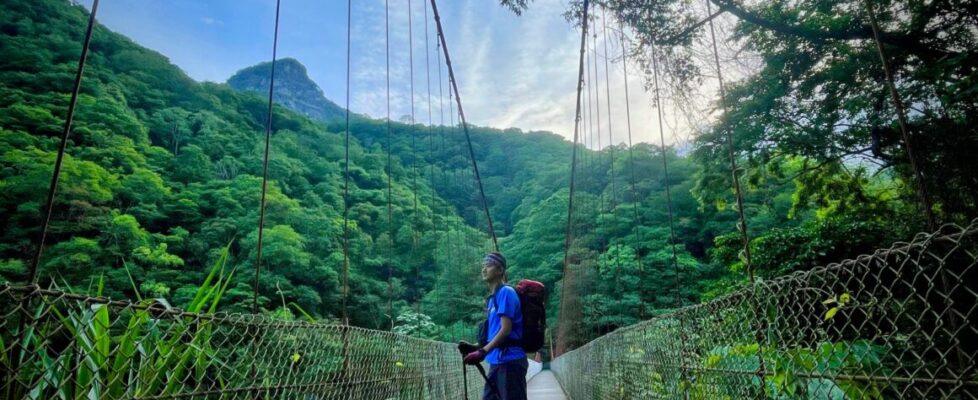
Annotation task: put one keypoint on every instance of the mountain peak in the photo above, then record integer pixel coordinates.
(293, 88)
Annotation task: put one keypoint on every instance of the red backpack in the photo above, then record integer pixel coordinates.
(533, 302)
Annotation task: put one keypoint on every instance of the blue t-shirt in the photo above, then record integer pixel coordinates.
(504, 302)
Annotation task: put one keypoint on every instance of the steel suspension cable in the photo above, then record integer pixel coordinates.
(672, 225)
(922, 194)
(742, 227)
(592, 157)
(457, 176)
(441, 115)
(463, 249)
(597, 114)
(584, 124)
(415, 222)
(390, 171)
(585, 120)
(591, 210)
(264, 179)
(449, 209)
(584, 142)
(465, 125)
(607, 88)
(561, 336)
(431, 137)
(346, 170)
(344, 330)
(63, 145)
(452, 250)
(597, 93)
(636, 217)
(414, 145)
(611, 147)
(758, 331)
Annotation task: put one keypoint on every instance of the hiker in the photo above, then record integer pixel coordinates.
(503, 328)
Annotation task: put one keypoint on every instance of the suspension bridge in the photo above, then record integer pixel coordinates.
(895, 323)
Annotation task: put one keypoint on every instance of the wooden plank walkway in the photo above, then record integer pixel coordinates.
(544, 386)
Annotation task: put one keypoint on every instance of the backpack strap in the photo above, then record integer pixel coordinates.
(492, 298)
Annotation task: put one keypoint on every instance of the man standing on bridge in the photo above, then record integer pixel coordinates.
(503, 331)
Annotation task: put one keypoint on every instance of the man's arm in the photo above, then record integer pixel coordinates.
(504, 329)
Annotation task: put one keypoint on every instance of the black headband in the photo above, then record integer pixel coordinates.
(496, 259)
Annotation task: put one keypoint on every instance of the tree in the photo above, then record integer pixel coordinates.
(411, 323)
(821, 93)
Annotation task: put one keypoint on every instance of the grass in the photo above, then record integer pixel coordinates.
(75, 350)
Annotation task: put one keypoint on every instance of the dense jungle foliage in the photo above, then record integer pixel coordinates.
(162, 173)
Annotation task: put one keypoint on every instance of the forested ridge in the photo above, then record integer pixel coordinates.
(163, 172)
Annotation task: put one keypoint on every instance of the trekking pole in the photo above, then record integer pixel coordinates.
(465, 381)
(492, 385)
(463, 349)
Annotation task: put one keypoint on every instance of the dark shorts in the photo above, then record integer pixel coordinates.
(510, 380)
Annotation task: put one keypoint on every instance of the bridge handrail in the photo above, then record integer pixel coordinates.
(58, 344)
(890, 323)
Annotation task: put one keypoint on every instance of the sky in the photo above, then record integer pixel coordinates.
(512, 71)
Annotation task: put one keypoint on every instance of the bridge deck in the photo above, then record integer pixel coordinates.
(544, 386)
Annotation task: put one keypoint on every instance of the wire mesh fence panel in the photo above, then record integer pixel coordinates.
(895, 324)
(57, 345)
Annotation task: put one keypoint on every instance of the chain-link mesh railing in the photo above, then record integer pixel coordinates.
(57, 345)
(895, 324)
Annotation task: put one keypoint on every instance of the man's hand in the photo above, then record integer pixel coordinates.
(464, 348)
(475, 357)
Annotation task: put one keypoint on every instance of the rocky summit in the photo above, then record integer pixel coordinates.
(293, 88)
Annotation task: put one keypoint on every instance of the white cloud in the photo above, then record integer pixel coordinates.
(211, 21)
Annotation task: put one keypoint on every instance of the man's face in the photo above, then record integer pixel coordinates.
(491, 272)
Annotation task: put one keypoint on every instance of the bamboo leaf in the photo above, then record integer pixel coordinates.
(305, 315)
